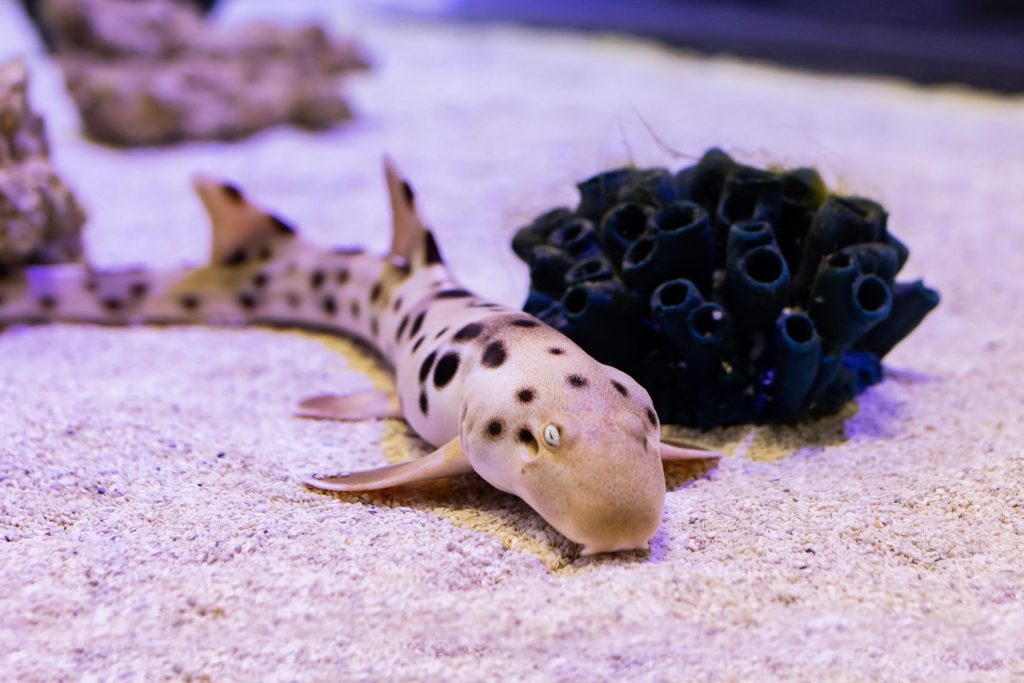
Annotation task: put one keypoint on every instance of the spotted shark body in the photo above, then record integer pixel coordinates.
(496, 390)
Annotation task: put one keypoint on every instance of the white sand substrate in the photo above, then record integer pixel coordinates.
(152, 524)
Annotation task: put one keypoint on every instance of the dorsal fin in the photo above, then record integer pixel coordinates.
(236, 221)
(410, 239)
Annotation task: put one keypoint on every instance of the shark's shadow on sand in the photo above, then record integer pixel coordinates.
(470, 502)
(466, 501)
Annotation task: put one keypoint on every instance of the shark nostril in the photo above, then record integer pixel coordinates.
(525, 437)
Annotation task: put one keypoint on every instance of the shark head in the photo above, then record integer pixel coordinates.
(577, 440)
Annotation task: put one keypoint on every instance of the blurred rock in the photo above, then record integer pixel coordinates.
(150, 72)
(40, 221)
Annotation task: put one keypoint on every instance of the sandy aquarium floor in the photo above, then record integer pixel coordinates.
(152, 521)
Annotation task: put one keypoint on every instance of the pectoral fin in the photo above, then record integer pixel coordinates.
(677, 450)
(361, 405)
(446, 461)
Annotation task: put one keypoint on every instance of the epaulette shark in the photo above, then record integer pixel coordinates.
(495, 390)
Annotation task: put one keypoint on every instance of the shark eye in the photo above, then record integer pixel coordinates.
(551, 436)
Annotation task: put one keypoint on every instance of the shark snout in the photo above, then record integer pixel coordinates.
(613, 504)
(617, 527)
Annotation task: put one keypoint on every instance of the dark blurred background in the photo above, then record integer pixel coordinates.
(975, 42)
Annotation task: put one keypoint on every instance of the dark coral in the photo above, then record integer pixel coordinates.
(732, 293)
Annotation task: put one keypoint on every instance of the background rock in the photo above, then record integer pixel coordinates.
(156, 72)
(40, 220)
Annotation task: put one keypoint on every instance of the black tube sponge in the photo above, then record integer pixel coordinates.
(733, 294)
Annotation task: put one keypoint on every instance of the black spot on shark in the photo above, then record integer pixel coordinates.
(112, 304)
(236, 258)
(426, 366)
(446, 369)
(247, 300)
(495, 354)
(281, 227)
(468, 332)
(401, 328)
(453, 294)
(417, 324)
(232, 192)
(432, 255)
